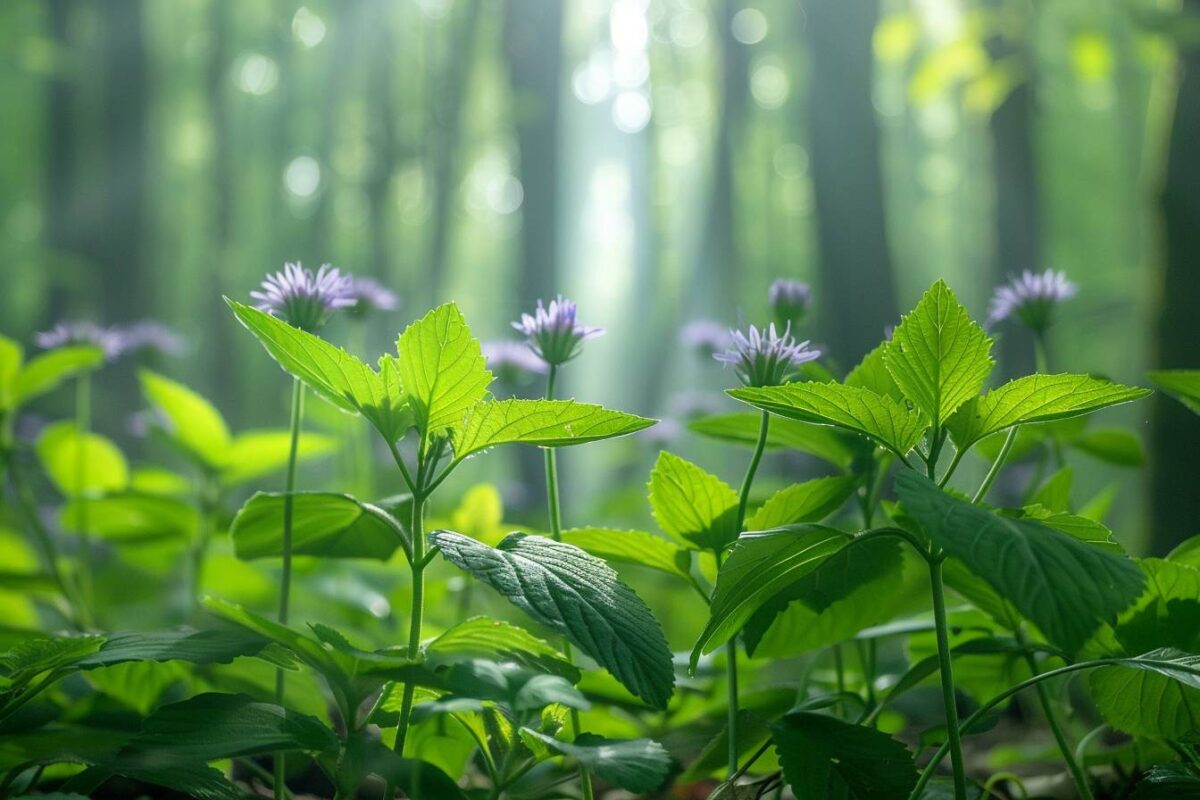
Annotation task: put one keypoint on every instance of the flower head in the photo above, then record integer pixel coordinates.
(149, 334)
(554, 333)
(705, 336)
(370, 295)
(766, 358)
(1032, 298)
(512, 361)
(789, 300)
(302, 299)
(110, 339)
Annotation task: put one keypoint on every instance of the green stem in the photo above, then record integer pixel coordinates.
(205, 527)
(953, 737)
(997, 465)
(416, 614)
(285, 582)
(83, 424)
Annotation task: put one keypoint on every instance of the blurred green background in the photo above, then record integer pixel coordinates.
(659, 161)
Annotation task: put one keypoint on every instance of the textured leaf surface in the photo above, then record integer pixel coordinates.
(632, 547)
(810, 501)
(545, 423)
(442, 368)
(483, 637)
(741, 428)
(692, 505)
(872, 373)
(1036, 398)
(1064, 586)
(579, 596)
(1182, 384)
(324, 524)
(635, 765)
(938, 356)
(851, 408)
(818, 751)
(192, 422)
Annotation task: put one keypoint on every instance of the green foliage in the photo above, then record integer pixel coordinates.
(81, 463)
(809, 501)
(545, 423)
(1182, 384)
(483, 637)
(47, 371)
(638, 548)
(833, 446)
(820, 752)
(640, 765)
(325, 524)
(193, 423)
(691, 505)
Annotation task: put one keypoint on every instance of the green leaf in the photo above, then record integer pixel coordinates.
(324, 524)
(1182, 384)
(578, 596)
(851, 408)
(442, 368)
(760, 567)
(11, 357)
(872, 374)
(131, 517)
(1169, 782)
(819, 752)
(1064, 586)
(810, 501)
(544, 423)
(192, 422)
(196, 780)
(1036, 398)
(638, 548)
(81, 463)
(1114, 446)
(691, 505)
(938, 356)
(518, 687)
(1055, 492)
(254, 454)
(331, 372)
(366, 755)
(46, 371)
(1153, 700)
(833, 446)
(483, 637)
(635, 765)
(35, 656)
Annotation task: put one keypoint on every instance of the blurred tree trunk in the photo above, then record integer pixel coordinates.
(382, 135)
(62, 224)
(345, 41)
(858, 297)
(1175, 502)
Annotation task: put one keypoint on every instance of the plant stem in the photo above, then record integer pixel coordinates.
(997, 465)
(83, 424)
(205, 527)
(953, 737)
(416, 614)
(285, 583)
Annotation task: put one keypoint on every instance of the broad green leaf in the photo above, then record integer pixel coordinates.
(984, 666)
(760, 567)
(1154, 701)
(544, 423)
(192, 422)
(851, 408)
(1055, 492)
(938, 356)
(331, 372)
(254, 454)
(137, 684)
(195, 780)
(1187, 552)
(366, 755)
(872, 374)
(578, 596)
(632, 547)
(1115, 446)
(483, 637)
(81, 463)
(810, 501)
(41, 654)
(1182, 384)
(159, 482)
(1036, 398)
(46, 371)
(834, 446)
(131, 517)
(1064, 586)
(11, 357)
(1169, 782)
(442, 368)
(819, 753)
(691, 505)
(518, 687)
(323, 524)
(635, 765)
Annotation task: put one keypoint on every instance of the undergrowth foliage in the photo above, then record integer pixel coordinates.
(870, 633)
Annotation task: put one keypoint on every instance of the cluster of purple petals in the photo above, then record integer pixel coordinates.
(114, 340)
(1031, 298)
(766, 357)
(789, 298)
(509, 360)
(553, 332)
(304, 299)
(705, 336)
(369, 294)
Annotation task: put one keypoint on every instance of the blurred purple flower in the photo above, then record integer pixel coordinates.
(665, 432)
(149, 334)
(303, 299)
(789, 300)
(110, 340)
(705, 336)
(1032, 298)
(554, 333)
(370, 295)
(512, 361)
(766, 358)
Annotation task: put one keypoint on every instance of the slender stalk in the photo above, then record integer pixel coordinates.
(83, 424)
(997, 465)
(953, 737)
(285, 583)
(205, 527)
(416, 614)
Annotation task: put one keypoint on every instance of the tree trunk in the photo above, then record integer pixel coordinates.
(62, 222)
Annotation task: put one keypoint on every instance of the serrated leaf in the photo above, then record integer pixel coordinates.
(442, 368)
(192, 422)
(483, 637)
(1036, 398)
(818, 752)
(544, 423)
(635, 765)
(810, 501)
(692, 505)
(578, 596)
(1064, 586)
(324, 524)
(938, 356)
(1182, 384)
(742, 428)
(1154, 700)
(851, 408)
(331, 372)
(632, 547)
(760, 567)
(81, 463)
(872, 373)
(44, 372)
(254, 454)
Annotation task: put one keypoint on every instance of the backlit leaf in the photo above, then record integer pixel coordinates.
(632, 547)
(1182, 384)
(483, 637)
(81, 463)
(692, 505)
(810, 501)
(324, 524)
(254, 454)
(544, 423)
(442, 369)
(191, 421)
(834, 446)
(44, 372)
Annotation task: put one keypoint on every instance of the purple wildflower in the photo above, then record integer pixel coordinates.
(705, 336)
(512, 361)
(765, 358)
(302, 299)
(370, 295)
(554, 333)
(110, 340)
(149, 334)
(789, 300)
(1032, 298)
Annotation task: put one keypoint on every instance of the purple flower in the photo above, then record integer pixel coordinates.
(149, 334)
(705, 336)
(110, 340)
(789, 300)
(511, 361)
(370, 295)
(765, 358)
(302, 299)
(553, 332)
(1032, 298)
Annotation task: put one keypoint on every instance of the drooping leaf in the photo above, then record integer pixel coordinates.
(760, 567)
(579, 596)
(483, 637)
(818, 751)
(45, 372)
(442, 368)
(632, 547)
(938, 356)
(81, 463)
(1036, 398)
(635, 765)
(833, 446)
(1064, 586)
(323, 524)
(810, 501)
(1182, 384)
(544, 423)
(692, 505)
(851, 408)
(192, 422)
